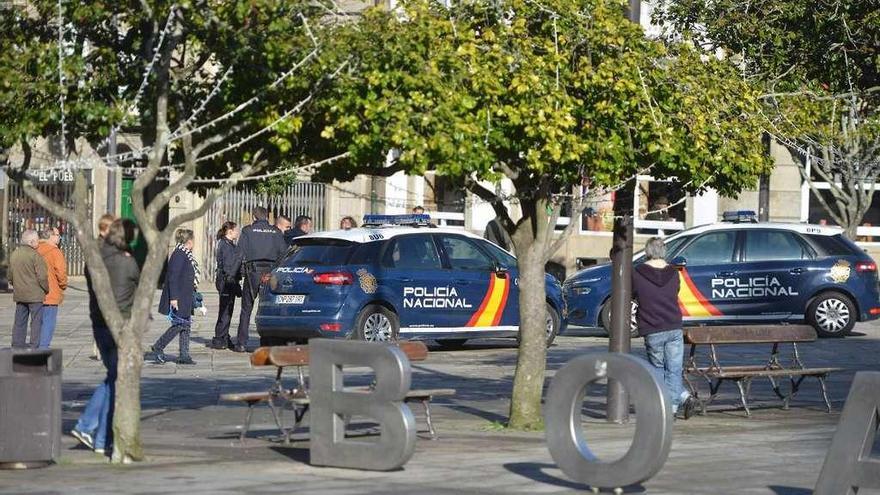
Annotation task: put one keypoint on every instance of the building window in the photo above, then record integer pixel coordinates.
(660, 205)
(814, 212)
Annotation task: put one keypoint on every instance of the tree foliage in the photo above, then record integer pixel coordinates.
(819, 65)
(548, 94)
(209, 89)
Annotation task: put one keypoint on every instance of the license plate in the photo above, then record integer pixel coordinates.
(290, 299)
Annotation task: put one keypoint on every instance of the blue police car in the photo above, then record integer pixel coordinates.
(398, 277)
(740, 271)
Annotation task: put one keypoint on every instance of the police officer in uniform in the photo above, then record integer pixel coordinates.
(260, 246)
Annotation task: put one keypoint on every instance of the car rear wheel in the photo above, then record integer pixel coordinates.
(832, 314)
(451, 343)
(377, 324)
(605, 319)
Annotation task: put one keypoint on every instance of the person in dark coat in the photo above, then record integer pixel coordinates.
(176, 302)
(95, 426)
(260, 246)
(301, 226)
(655, 286)
(227, 282)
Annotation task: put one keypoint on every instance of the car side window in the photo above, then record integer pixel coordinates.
(714, 247)
(465, 255)
(773, 245)
(413, 252)
(501, 256)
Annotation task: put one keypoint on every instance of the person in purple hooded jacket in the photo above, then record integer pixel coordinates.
(655, 286)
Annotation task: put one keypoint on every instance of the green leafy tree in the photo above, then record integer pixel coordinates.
(819, 66)
(214, 92)
(548, 94)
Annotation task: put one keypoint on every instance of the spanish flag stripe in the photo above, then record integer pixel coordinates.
(506, 292)
(694, 301)
(476, 316)
(496, 296)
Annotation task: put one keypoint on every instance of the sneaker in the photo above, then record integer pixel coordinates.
(99, 450)
(239, 348)
(158, 356)
(688, 407)
(185, 360)
(219, 345)
(84, 438)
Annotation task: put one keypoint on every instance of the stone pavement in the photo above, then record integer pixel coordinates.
(192, 438)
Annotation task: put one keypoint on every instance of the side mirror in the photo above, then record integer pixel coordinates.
(679, 261)
(499, 269)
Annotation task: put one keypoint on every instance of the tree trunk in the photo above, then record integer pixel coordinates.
(528, 380)
(127, 445)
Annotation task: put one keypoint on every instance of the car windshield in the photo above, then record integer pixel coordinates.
(672, 245)
(319, 252)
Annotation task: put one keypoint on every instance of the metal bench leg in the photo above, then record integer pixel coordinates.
(743, 397)
(824, 391)
(298, 415)
(277, 413)
(795, 386)
(427, 404)
(776, 388)
(247, 421)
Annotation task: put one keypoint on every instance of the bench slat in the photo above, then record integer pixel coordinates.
(298, 355)
(785, 372)
(758, 334)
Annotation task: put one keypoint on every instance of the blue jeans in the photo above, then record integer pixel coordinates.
(50, 317)
(97, 417)
(666, 354)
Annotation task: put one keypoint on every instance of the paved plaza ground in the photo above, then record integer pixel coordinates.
(192, 438)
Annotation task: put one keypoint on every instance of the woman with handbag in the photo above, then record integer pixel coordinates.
(227, 283)
(181, 282)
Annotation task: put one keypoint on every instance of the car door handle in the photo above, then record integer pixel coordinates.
(725, 274)
(796, 271)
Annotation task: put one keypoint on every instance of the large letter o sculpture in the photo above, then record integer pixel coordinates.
(565, 436)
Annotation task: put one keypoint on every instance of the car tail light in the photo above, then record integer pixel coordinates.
(866, 266)
(874, 311)
(331, 327)
(333, 278)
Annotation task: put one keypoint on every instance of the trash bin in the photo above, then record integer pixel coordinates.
(30, 407)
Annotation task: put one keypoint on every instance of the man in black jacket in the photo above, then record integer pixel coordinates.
(655, 284)
(301, 226)
(260, 246)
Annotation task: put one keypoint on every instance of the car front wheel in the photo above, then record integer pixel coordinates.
(832, 314)
(377, 324)
(605, 319)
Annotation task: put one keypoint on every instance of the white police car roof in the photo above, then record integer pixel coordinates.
(371, 234)
(803, 228)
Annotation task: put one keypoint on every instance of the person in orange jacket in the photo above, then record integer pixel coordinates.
(50, 238)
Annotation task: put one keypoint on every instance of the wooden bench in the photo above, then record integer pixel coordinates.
(297, 397)
(774, 368)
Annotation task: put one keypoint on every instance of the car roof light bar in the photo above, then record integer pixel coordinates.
(740, 216)
(413, 220)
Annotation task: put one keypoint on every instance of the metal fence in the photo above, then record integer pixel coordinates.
(303, 198)
(24, 213)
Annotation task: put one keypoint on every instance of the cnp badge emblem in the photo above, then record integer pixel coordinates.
(367, 281)
(840, 271)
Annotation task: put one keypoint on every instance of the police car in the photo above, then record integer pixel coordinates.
(740, 271)
(399, 277)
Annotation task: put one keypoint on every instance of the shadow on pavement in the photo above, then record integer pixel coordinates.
(535, 471)
(787, 490)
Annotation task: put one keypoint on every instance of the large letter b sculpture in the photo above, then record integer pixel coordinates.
(330, 403)
(565, 436)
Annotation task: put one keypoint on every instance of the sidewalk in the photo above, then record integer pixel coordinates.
(192, 439)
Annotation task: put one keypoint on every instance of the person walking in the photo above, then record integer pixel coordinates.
(227, 282)
(30, 284)
(57, 270)
(104, 224)
(260, 246)
(282, 223)
(655, 286)
(94, 429)
(301, 226)
(177, 297)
